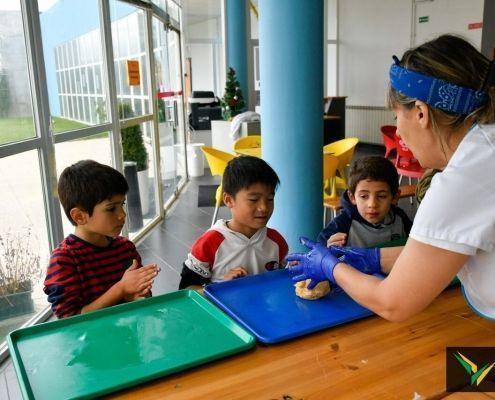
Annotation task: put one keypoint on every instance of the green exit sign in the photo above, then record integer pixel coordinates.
(426, 18)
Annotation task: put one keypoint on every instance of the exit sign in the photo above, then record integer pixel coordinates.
(426, 18)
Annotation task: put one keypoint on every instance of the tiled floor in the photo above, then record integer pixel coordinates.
(168, 244)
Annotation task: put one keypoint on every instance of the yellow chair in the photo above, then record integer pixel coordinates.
(217, 161)
(248, 142)
(330, 200)
(344, 151)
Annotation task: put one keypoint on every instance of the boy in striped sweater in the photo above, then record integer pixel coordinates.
(94, 268)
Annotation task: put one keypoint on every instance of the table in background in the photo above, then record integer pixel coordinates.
(366, 359)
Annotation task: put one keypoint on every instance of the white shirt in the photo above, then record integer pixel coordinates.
(458, 214)
(220, 249)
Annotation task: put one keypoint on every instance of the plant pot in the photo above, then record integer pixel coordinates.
(12, 305)
(144, 187)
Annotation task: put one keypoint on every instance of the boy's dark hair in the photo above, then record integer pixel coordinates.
(244, 171)
(375, 168)
(87, 183)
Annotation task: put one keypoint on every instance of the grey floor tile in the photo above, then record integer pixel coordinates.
(12, 385)
(167, 281)
(4, 393)
(168, 248)
(182, 230)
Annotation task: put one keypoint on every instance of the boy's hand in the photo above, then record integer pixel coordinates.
(235, 273)
(137, 282)
(338, 239)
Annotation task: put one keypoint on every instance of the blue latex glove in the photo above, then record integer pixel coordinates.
(317, 264)
(364, 260)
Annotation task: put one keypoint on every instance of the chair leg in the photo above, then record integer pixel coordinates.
(400, 179)
(411, 198)
(215, 215)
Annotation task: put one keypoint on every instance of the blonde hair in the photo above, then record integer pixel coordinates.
(456, 61)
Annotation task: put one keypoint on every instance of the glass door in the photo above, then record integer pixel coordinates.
(168, 76)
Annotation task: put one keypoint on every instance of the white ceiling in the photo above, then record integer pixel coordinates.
(195, 11)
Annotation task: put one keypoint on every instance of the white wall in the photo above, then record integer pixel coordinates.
(203, 42)
(452, 16)
(202, 66)
(371, 31)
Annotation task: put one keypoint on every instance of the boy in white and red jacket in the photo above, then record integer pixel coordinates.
(242, 245)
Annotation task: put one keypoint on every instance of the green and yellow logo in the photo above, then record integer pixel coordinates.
(476, 374)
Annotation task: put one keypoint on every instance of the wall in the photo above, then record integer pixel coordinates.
(371, 32)
(203, 44)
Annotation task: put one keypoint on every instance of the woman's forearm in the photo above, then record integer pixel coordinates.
(367, 290)
(388, 256)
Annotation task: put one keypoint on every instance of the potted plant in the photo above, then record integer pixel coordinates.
(134, 150)
(19, 272)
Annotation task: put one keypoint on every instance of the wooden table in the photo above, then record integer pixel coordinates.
(250, 151)
(366, 359)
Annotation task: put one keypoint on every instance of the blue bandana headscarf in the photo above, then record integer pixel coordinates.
(435, 92)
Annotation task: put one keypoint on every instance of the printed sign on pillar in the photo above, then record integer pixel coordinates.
(133, 75)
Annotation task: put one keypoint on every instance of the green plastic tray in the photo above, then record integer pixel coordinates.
(100, 352)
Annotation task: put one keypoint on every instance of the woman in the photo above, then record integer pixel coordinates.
(443, 94)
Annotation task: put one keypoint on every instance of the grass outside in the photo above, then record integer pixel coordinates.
(15, 129)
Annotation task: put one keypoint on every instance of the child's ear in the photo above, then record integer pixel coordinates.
(228, 200)
(351, 197)
(79, 216)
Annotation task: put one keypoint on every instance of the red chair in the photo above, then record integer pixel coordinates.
(388, 135)
(405, 163)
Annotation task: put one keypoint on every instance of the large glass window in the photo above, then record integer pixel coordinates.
(128, 29)
(72, 28)
(140, 173)
(75, 91)
(16, 113)
(95, 147)
(24, 249)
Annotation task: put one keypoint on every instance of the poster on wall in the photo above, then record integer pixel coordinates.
(133, 75)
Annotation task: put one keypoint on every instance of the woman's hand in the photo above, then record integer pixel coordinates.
(364, 260)
(317, 264)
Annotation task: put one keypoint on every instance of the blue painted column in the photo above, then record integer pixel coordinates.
(291, 77)
(236, 20)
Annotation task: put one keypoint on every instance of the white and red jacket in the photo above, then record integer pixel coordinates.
(220, 249)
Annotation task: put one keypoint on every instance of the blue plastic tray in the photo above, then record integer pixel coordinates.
(267, 306)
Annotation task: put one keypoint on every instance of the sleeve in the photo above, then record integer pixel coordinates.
(457, 212)
(63, 286)
(189, 278)
(283, 247)
(341, 223)
(202, 256)
(134, 254)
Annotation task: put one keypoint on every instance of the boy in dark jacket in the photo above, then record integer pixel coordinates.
(370, 214)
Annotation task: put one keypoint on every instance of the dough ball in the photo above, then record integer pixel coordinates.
(319, 291)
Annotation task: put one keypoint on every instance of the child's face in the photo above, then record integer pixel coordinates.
(251, 208)
(108, 217)
(373, 200)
